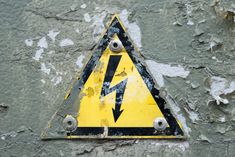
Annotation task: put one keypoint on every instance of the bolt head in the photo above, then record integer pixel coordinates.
(160, 124)
(70, 123)
(115, 46)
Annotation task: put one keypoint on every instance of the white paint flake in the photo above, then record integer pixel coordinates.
(52, 67)
(73, 7)
(189, 9)
(192, 115)
(221, 86)
(77, 30)
(51, 52)
(66, 42)
(52, 34)
(43, 81)
(98, 25)
(214, 41)
(159, 70)
(56, 80)
(172, 144)
(11, 134)
(132, 28)
(45, 69)
(28, 42)
(190, 23)
(87, 17)
(42, 43)
(176, 110)
(79, 61)
(38, 54)
(83, 6)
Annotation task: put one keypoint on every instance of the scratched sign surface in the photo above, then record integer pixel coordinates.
(115, 97)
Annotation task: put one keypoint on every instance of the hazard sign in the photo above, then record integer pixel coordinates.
(114, 97)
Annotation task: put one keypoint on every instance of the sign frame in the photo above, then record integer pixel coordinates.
(56, 128)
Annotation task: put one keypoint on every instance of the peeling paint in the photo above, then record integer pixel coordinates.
(215, 42)
(132, 28)
(66, 42)
(77, 30)
(42, 43)
(83, 6)
(98, 25)
(192, 115)
(38, 54)
(43, 81)
(176, 111)
(79, 61)
(223, 130)
(51, 52)
(172, 145)
(56, 80)
(28, 42)
(45, 69)
(52, 34)
(190, 23)
(189, 10)
(204, 138)
(159, 70)
(8, 135)
(87, 17)
(25, 22)
(221, 86)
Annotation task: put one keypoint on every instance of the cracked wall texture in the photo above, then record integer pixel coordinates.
(44, 44)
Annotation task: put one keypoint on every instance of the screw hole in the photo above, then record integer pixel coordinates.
(160, 123)
(69, 122)
(115, 44)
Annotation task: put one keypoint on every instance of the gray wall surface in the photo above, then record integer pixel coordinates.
(189, 47)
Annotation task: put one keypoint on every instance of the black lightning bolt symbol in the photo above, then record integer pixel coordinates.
(119, 88)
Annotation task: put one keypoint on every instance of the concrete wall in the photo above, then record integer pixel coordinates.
(44, 45)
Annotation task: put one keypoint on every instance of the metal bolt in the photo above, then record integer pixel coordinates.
(160, 124)
(70, 123)
(115, 46)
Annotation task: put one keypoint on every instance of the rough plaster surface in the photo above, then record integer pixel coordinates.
(36, 71)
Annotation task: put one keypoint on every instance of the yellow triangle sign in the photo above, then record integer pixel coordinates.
(115, 97)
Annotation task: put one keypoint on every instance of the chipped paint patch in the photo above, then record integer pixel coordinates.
(87, 17)
(42, 43)
(43, 81)
(176, 111)
(189, 10)
(77, 30)
(132, 28)
(52, 34)
(28, 42)
(172, 145)
(221, 86)
(51, 52)
(45, 69)
(190, 22)
(66, 42)
(192, 115)
(11, 134)
(83, 6)
(56, 80)
(79, 61)
(38, 54)
(159, 70)
(98, 25)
